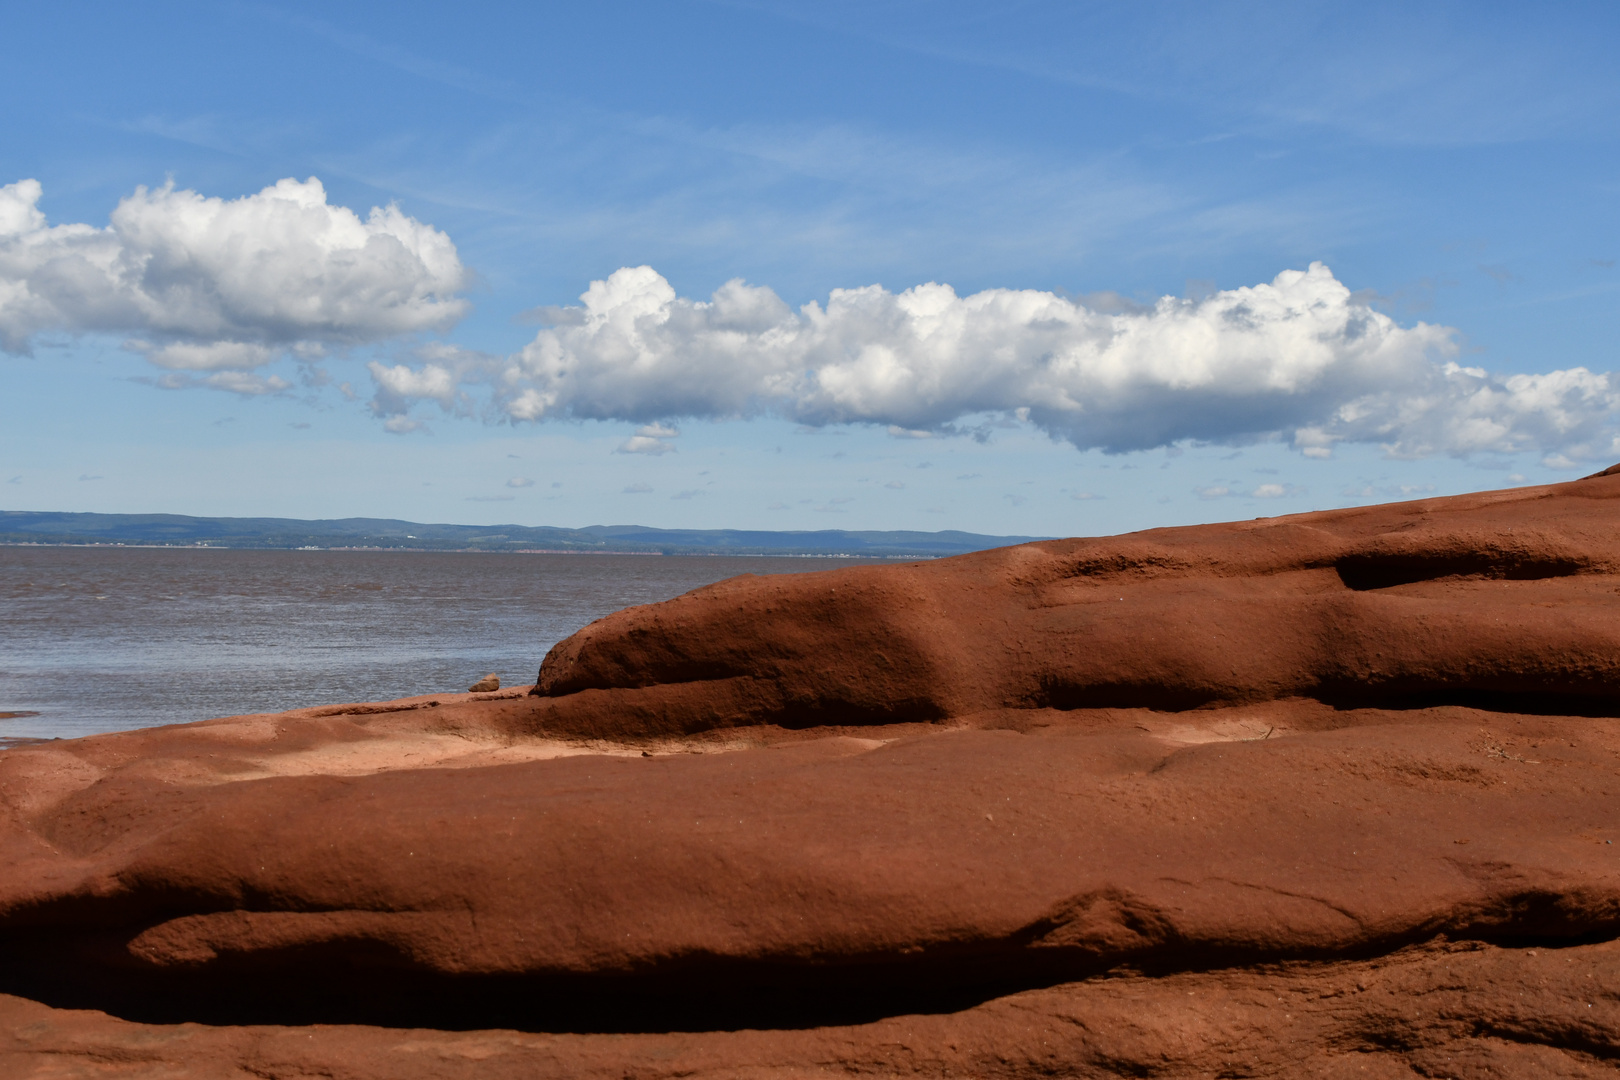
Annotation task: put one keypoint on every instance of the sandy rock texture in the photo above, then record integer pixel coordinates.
(1328, 795)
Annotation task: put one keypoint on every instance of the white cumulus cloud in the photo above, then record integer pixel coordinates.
(650, 439)
(1298, 357)
(213, 285)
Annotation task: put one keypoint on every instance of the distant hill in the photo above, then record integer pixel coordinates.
(177, 530)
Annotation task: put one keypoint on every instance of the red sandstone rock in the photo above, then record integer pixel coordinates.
(1451, 1011)
(1102, 807)
(1503, 593)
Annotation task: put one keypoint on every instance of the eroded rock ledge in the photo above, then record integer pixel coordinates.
(1332, 794)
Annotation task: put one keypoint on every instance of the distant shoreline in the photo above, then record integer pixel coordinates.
(27, 528)
(716, 553)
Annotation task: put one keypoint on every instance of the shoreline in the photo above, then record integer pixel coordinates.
(483, 551)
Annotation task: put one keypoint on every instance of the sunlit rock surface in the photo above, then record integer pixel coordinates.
(1331, 794)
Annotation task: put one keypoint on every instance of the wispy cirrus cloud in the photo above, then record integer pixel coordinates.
(1390, 74)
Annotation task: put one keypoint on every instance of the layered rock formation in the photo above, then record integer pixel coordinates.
(1332, 794)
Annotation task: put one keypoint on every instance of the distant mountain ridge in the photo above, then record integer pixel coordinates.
(178, 530)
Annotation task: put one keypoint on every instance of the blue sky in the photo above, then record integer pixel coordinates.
(1062, 167)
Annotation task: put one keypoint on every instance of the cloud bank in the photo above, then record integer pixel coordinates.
(212, 289)
(1299, 357)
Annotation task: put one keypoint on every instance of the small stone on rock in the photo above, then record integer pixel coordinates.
(487, 683)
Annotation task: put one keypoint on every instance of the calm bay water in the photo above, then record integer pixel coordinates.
(107, 639)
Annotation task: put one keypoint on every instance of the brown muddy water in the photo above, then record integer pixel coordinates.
(97, 639)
